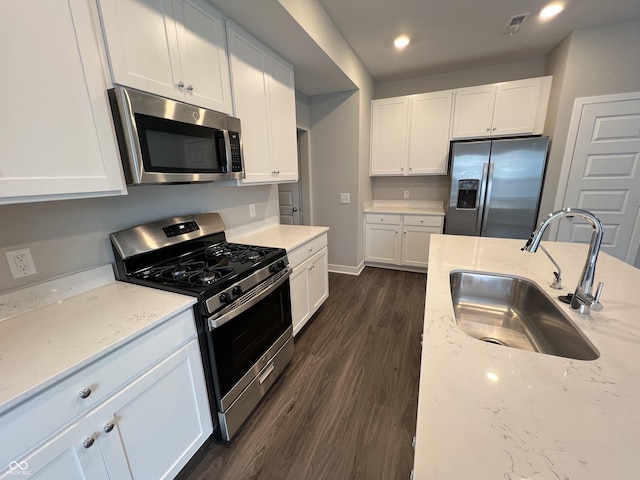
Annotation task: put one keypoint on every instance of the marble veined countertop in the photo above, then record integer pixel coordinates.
(51, 330)
(405, 207)
(288, 237)
(492, 412)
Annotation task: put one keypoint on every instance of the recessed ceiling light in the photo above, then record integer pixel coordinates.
(401, 42)
(551, 10)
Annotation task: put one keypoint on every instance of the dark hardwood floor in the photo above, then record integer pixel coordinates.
(345, 408)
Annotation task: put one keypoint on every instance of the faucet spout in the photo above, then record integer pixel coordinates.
(582, 299)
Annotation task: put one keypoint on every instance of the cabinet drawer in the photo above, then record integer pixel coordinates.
(306, 250)
(423, 220)
(32, 421)
(383, 218)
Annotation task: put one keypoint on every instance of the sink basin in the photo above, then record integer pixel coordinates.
(514, 312)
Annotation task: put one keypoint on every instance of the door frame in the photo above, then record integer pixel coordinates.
(572, 137)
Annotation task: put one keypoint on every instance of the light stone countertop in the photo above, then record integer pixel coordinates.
(45, 343)
(288, 237)
(405, 207)
(492, 412)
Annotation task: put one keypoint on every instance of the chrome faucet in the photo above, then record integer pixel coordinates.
(582, 301)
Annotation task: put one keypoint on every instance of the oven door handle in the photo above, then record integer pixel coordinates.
(248, 300)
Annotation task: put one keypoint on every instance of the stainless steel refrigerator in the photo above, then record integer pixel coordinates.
(496, 186)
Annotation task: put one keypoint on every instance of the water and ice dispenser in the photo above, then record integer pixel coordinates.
(468, 193)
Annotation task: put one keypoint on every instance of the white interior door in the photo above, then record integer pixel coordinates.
(604, 177)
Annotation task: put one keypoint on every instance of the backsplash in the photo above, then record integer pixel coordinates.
(432, 188)
(69, 236)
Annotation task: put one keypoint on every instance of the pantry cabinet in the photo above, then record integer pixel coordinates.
(119, 417)
(58, 140)
(400, 240)
(501, 109)
(264, 100)
(173, 48)
(410, 134)
(309, 280)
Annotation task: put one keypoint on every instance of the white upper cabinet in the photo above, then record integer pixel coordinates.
(410, 134)
(264, 100)
(57, 139)
(173, 48)
(501, 109)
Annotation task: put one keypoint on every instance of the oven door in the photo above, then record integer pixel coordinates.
(240, 347)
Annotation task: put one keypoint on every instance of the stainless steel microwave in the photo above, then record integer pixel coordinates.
(164, 141)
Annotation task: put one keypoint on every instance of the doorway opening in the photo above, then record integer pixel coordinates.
(294, 198)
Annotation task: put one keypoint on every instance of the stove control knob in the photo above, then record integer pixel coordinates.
(225, 297)
(276, 267)
(237, 290)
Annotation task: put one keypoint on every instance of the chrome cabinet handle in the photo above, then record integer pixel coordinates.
(488, 129)
(84, 393)
(87, 442)
(190, 88)
(181, 84)
(108, 427)
(294, 209)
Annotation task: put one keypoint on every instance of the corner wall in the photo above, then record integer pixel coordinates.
(591, 61)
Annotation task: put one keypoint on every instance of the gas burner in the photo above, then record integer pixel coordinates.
(246, 253)
(213, 274)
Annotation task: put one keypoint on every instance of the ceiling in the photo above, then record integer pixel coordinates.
(448, 35)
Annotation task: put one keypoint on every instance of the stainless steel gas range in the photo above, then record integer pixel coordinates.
(243, 312)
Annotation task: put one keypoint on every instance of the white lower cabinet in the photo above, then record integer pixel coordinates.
(309, 280)
(401, 240)
(148, 428)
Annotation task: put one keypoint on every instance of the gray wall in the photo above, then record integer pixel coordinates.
(433, 187)
(462, 78)
(72, 235)
(339, 140)
(589, 62)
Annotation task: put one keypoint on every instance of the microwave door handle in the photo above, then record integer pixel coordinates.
(247, 301)
(487, 202)
(481, 197)
(227, 150)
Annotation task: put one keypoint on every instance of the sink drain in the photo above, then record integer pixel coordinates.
(495, 341)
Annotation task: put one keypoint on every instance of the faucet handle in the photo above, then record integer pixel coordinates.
(599, 291)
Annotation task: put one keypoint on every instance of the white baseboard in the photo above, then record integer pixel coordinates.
(346, 270)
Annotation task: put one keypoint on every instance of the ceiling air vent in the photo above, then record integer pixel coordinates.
(514, 23)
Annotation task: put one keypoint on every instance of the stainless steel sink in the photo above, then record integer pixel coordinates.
(514, 312)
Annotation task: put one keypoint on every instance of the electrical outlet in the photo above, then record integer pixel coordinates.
(21, 262)
(406, 194)
(345, 198)
(252, 210)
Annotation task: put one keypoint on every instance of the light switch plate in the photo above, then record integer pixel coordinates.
(345, 198)
(406, 194)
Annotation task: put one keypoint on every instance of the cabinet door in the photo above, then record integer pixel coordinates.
(142, 43)
(151, 428)
(516, 107)
(383, 243)
(473, 111)
(318, 279)
(415, 245)
(389, 129)
(203, 56)
(282, 119)
(248, 80)
(71, 454)
(429, 133)
(57, 137)
(300, 302)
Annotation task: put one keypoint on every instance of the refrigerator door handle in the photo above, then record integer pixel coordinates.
(483, 192)
(487, 200)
